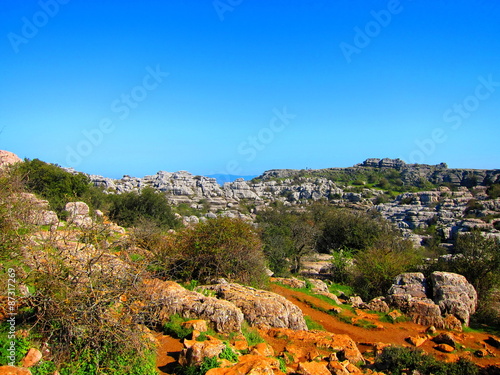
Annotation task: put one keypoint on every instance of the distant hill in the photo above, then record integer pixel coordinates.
(223, 178)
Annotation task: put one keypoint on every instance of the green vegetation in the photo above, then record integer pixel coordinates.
(228, 354)
(207, 364)
(131, 209)
(288, 235)
(174, 327)
(313, 325)
(52, 182)
(251, 335)
(221, 247)
(398, 360)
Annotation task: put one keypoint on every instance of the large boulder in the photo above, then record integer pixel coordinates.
(166, 298)
(439, 301)
(454, 295)
(260, 307)
(78, 214)
(195, 352)
(411, 283)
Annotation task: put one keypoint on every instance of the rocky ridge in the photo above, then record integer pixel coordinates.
(443, 207)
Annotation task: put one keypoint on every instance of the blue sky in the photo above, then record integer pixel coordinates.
(240, 86)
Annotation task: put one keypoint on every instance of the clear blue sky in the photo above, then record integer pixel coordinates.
(240, 86)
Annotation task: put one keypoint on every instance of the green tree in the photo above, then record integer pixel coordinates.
(129, 209)
(220, 247)
(288, 235)
(349, 229)
(376, 267)
(52, 182)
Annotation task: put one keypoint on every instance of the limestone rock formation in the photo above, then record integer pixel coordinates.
(8, 158)
(78, 214)
(167, 298)
(260, 307)
(454, 295)
(448, 297)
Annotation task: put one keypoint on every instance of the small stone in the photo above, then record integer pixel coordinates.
(481, 353)
(32, 358)
(263, 349)
(198, 325)
(416, 340)
(445, 348)
(11, 370)
(313, 368)
(431, 330)
(445, 338)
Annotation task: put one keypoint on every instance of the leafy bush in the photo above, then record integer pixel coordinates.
(251, 335)
(220, 247)
(131, 209)
(228, 354)
(288, 235)
(348, 229)
(174, 327)
(207, 364)
(494, 191)
(15, 212)
(376, 267)
(398, 360)
(90, 325)
(52, 182)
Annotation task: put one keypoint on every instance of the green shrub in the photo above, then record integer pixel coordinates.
(52, 182)
(396, 360)
(130, 209)
(228, 354)
(207, 364)
(288, 235)
(174, 327)
(221, 247)
(251, 335)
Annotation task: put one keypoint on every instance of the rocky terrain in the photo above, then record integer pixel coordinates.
(446, 207)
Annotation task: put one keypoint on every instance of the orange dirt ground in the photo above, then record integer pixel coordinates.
(387, 333)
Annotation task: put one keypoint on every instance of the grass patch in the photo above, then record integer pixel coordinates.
(386, 318)
(251, 335)
(228, 354)
(365, 324)
(174, 327)
(339, 289)
(313, 325)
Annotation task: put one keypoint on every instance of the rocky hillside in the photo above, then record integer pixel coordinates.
(457, 201)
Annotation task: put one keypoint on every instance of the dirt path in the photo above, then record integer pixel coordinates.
(387, 333)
